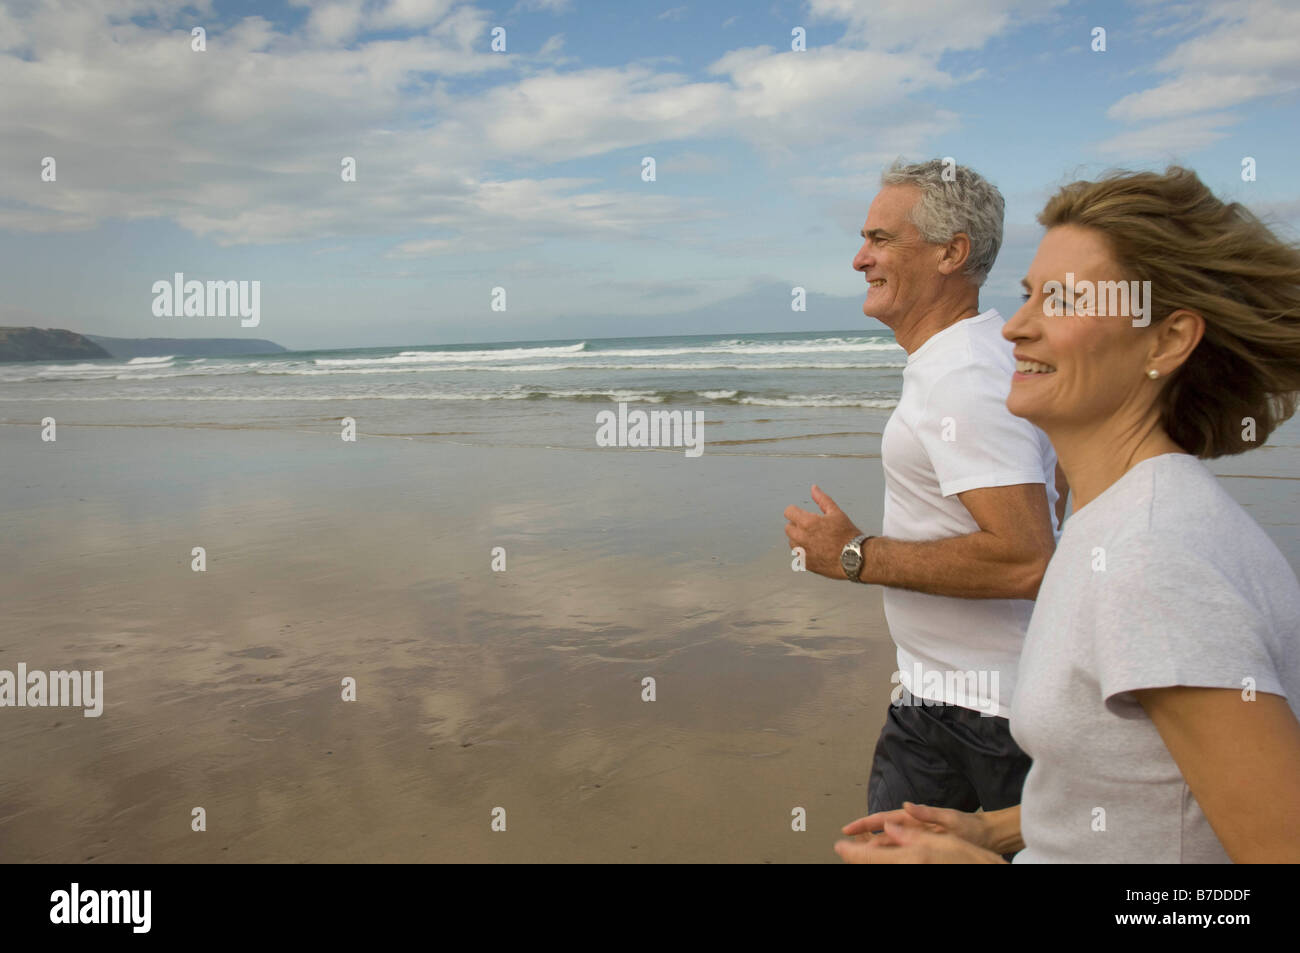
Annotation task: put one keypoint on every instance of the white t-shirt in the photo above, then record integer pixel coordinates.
(951, 432)
(1161, 580)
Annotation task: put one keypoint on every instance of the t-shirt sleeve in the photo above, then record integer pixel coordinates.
(1170, 617)
(972, 439)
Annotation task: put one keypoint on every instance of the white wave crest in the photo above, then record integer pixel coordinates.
(453, 357)
(820, 400)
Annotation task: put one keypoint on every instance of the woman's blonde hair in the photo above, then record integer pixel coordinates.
(1220, 261)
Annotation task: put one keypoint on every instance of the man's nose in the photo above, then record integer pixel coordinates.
(861, 260)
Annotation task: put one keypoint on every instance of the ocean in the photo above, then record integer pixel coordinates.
(805, 393)
(797, 393)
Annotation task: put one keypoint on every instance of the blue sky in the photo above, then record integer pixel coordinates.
(478, 169)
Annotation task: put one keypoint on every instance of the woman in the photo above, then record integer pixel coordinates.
(1160, 677)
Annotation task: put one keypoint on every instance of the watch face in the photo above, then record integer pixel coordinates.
(851, 562)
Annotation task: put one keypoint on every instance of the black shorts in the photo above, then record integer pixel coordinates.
(945, 756)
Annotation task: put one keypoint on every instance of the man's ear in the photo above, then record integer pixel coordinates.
(954, 255)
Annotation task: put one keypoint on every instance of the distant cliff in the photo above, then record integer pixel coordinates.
(47, 344)
(192, 347)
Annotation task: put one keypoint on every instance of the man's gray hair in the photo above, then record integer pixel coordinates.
(954, 199)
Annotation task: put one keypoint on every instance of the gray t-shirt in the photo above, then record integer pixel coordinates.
(1161, 580)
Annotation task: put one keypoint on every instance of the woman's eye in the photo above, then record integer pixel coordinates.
(1024, 296)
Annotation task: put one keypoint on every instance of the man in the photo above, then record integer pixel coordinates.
(972, 505)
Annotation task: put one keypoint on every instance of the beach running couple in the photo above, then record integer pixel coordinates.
(1122, 685)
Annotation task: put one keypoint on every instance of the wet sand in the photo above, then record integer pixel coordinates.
(475, 689)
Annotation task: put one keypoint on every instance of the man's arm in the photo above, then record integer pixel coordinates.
(1004, 559)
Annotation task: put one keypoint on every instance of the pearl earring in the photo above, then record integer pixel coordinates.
(1153, 373)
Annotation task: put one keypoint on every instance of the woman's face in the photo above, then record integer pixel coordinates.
(1080, 369)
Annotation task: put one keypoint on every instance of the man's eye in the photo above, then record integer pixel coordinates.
(1024, 296)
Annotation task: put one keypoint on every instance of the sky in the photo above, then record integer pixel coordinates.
(522, 168)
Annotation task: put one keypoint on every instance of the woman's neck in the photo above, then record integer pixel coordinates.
(1094, 458)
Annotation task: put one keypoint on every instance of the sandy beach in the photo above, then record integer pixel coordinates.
(475, 689)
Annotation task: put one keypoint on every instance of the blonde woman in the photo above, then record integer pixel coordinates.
(1160, 678)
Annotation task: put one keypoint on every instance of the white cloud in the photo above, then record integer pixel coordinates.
(543, 6)
(823, 82)
(1193, 93)
(906, 136)
(242, 144)
(1247, 52)
(1171, 140)
(409, 14)
(338, 21)
(928, 25)
(692, 163)
(781, 102)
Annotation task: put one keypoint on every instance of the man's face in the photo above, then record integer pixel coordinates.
(896, 262)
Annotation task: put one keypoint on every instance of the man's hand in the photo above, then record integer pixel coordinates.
(822, 537)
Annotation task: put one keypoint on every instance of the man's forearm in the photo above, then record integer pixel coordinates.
(975, 566)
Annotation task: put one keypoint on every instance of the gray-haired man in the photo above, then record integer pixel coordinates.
(972, 505)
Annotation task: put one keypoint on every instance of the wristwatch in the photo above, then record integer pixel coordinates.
(851, 556)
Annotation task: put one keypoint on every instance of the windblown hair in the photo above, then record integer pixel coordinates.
(1220, 261)
(961, 200)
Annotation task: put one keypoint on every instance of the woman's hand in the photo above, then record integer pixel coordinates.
(972, 828)
(911, 842)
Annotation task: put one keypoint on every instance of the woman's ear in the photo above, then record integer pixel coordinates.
(1175, 339)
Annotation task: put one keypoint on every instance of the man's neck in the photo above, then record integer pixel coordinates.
(914, 332)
